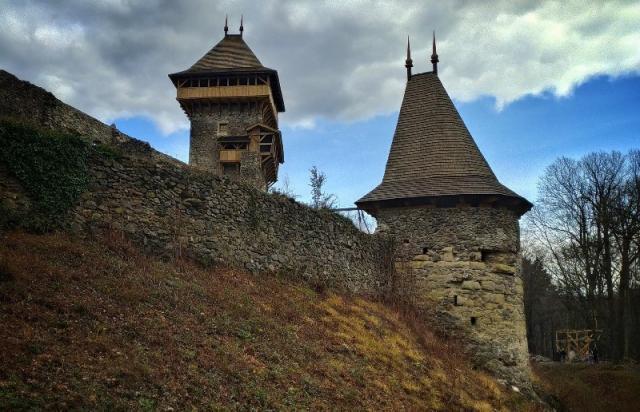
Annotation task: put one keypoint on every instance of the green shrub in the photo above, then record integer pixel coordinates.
(6, 275)
(52, 168)
(107, 151)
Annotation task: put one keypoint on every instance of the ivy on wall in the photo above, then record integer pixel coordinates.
(52, 168)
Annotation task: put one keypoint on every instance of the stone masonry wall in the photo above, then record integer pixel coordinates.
(171, 210)
(32, 104)
(251, 170)
(203, 148)
(464, 263)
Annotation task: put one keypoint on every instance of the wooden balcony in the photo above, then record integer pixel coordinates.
(228, 93)
(259, 90)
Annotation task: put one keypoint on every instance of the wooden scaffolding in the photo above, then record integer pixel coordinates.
(578, 341)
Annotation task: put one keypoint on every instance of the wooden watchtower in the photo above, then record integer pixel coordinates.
(233, 102)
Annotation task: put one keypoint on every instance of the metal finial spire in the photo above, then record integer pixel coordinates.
(408, 63)
(434, 55)
(226, 25)
(241, 24)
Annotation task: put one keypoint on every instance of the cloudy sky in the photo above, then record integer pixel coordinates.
(533, 80)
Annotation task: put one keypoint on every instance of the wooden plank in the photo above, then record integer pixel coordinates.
(230, 155)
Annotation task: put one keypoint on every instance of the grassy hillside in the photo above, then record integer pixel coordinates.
(96, 325)
(584, 387)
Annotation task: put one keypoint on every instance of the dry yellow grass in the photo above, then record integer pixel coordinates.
(96, 325)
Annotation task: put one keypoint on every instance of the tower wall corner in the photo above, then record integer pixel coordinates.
(203, 152)
(251, 170)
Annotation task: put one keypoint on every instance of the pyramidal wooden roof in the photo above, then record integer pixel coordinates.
(433, 154)
(230, 53)
(232, 56)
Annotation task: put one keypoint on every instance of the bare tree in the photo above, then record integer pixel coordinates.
(626, 232)
(587, 219)
(561, 218)
(544, 309)
(320, 199)
(284, 188)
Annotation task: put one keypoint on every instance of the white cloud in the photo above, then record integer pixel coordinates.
(338, 60)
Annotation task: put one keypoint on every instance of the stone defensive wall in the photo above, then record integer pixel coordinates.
(172, 209)
(22, 100)
(461, 262)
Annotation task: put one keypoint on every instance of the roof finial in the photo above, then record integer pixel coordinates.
(241, 25)
(408, 63)
(434, 55)
(226, 25)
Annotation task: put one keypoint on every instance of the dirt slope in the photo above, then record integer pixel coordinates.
(96, 325)
(585, 387)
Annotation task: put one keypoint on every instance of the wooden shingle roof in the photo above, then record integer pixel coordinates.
(230, 53)
(433, 154)
(232, 56)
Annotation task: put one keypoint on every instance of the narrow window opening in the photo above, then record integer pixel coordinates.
(455, 300)
(425, 250)
(474, 320)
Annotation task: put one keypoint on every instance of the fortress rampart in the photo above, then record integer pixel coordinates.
(463, 261)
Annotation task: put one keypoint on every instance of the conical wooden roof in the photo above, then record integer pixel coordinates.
(433, 154)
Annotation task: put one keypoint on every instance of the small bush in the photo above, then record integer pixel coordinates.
(6, 274)
(109, 152)
(9, 218)
(51, 167)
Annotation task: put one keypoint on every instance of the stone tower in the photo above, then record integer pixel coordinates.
(233, 102)
(456, 226)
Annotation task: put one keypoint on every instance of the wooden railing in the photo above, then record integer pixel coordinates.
(260, 90)
(228, 93)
